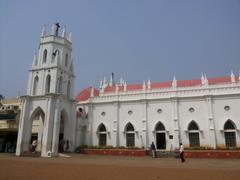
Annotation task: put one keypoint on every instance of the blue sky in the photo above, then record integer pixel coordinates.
(135, 39)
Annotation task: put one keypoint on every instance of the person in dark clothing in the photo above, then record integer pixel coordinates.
(153, 149)
(181, 150)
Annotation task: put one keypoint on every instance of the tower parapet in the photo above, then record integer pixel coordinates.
(56, 32)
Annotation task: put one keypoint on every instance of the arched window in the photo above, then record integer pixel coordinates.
(230, 134)
(130, 135)
(48, 84)
(102, 132)
(35, 85)
(55, 55)
(160, 136)
(193, 133)
(60, 84)
(45, 56)
(69, 89)
(66, 60)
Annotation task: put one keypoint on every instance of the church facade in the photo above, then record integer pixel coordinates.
(198, 113)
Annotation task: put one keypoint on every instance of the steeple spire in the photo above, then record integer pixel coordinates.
(233, 80)
(174, 82)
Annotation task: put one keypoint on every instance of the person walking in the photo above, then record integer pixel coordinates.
(34, 146)
(153, 149)
(181, 150)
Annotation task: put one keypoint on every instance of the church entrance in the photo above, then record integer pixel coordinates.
(161, 141)
(37, 120)
(63, 144)
(160, 136)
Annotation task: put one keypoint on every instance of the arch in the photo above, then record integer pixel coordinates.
(129, 127)
(62, 138)
(230, 134)
(193, 126)
(229, 124)
(37, 123)
(160, 135)
(102, 135)
(130, 135)
(159, 127)
(36, 112)
(66, 59)
(35, 85)
(60, 84)
(102, 128)
(69, 89)
(48, 84)
(193, 134)
(45, 56)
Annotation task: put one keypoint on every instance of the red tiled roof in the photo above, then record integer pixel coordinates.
(220, 80)
(85, 94)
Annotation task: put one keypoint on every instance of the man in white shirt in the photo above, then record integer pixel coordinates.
(181, 150)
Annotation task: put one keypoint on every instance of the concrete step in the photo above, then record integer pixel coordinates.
(31, 154)
(160, 153)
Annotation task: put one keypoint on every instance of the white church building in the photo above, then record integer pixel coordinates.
(204, 112)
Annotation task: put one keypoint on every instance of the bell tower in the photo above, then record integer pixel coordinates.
(48, 111)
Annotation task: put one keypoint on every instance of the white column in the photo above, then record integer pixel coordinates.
(56, 128)
(22, 144)
(177, 132)
(212, 133)
(48, 128)
(115, 132)
(144, 134)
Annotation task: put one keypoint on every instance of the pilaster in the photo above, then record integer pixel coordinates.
(177, 131)
(115, 132)
(48, 128)
(212, 133)
(56, 128)
(144, 134)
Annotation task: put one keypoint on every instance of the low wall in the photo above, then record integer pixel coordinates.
(115, 152)
(224, 154)
(204, 154)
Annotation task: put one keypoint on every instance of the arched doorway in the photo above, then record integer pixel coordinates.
(130, 135)
(62, 139)
(37, 120)
(102, 135)
(193, 133)
(160, 136)
(230, 134)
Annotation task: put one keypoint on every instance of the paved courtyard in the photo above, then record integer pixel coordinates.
(91, 167)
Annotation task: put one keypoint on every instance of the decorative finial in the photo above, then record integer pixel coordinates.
(202, 79)
(233, 80)
(64, 32)
(70, 36)
(149, 84)
(125, 86)
(34, 60)
(43, 31)
(174, 82)
(206, 80)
